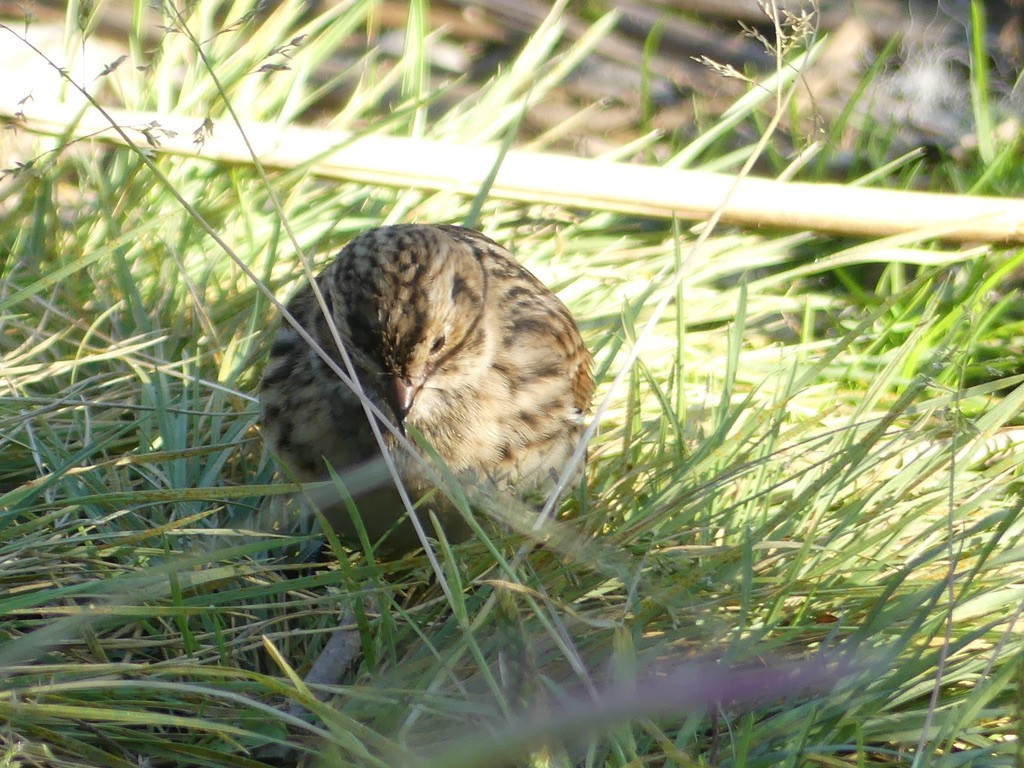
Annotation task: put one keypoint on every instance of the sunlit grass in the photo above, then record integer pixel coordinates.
(812, 454)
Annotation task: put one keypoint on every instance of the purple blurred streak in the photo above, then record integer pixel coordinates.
(692, 686)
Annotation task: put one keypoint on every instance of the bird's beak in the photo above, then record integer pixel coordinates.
(400, 398)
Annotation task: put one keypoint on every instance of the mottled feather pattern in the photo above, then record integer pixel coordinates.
(449, 335)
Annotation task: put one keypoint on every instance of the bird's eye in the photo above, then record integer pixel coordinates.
(438, 345)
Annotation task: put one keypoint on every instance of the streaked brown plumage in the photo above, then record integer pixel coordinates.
(450, 336)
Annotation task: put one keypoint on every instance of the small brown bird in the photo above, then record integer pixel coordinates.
(451, 338)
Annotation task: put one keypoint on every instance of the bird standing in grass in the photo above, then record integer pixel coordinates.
(453, 341)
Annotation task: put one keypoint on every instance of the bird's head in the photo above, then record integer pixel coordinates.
(413, 301)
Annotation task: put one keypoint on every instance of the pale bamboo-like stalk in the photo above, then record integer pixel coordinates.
(535, 177)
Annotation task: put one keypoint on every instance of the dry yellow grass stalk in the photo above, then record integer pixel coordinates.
(535, 177)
